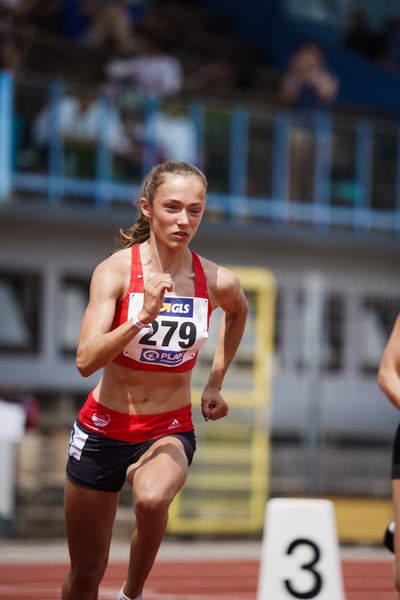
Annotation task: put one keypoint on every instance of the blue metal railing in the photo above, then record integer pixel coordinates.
(326, 181)
(6, 102)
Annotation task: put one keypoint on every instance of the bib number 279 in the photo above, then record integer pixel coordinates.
(186, 332)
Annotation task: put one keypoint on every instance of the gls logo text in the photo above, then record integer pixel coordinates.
(177, 306)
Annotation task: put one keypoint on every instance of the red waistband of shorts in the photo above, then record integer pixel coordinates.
(133, 428)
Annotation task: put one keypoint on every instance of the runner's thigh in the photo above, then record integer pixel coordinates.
(161, 471)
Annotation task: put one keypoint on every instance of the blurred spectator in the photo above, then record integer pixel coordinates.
(32, 411)
(8, 9)
(104, 24)
(228, 68)
(11, 54)
(28, 403)
(30, 15)
(16, 416)
(82, 119)
(392, 44)
(213, 74)
(172, 136)
(74, 20)
(20, 22)
(309, 88)
(358, 35)
(153, 72)
(110, 25)
(307, 84)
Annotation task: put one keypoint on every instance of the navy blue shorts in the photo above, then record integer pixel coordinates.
(100, 463)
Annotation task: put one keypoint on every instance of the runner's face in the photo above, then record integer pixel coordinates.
(177, 209)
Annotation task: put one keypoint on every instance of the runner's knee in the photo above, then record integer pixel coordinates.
(151, 504)
(88, 574)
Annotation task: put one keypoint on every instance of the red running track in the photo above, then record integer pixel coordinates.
(190, 580)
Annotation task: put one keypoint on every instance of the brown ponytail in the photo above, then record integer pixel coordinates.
(140, 231)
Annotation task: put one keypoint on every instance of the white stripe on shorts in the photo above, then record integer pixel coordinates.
(77, 441)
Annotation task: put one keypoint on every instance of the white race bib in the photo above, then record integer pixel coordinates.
(177, 334)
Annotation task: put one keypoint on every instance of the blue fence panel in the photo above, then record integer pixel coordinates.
(322, 166)
(56, 150)
(6, 120)
(341, 153)
(362, 211)
(238, 162)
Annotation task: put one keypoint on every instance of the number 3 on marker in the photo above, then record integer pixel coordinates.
(309, 566)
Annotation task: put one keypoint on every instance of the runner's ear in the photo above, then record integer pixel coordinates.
(145, 207)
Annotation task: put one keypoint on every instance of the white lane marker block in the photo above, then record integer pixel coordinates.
(300, 551)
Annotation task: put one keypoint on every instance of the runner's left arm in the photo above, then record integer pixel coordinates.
(233, 302)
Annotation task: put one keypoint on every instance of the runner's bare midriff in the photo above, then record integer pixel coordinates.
(142, 392)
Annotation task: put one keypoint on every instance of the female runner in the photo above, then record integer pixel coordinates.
(146, 320)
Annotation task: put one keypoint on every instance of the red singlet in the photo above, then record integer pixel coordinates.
(172, 341)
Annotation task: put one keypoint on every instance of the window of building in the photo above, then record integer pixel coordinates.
(74, 299)
(377, 319)
(328, 346)
(278, 329)
(20, 295)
